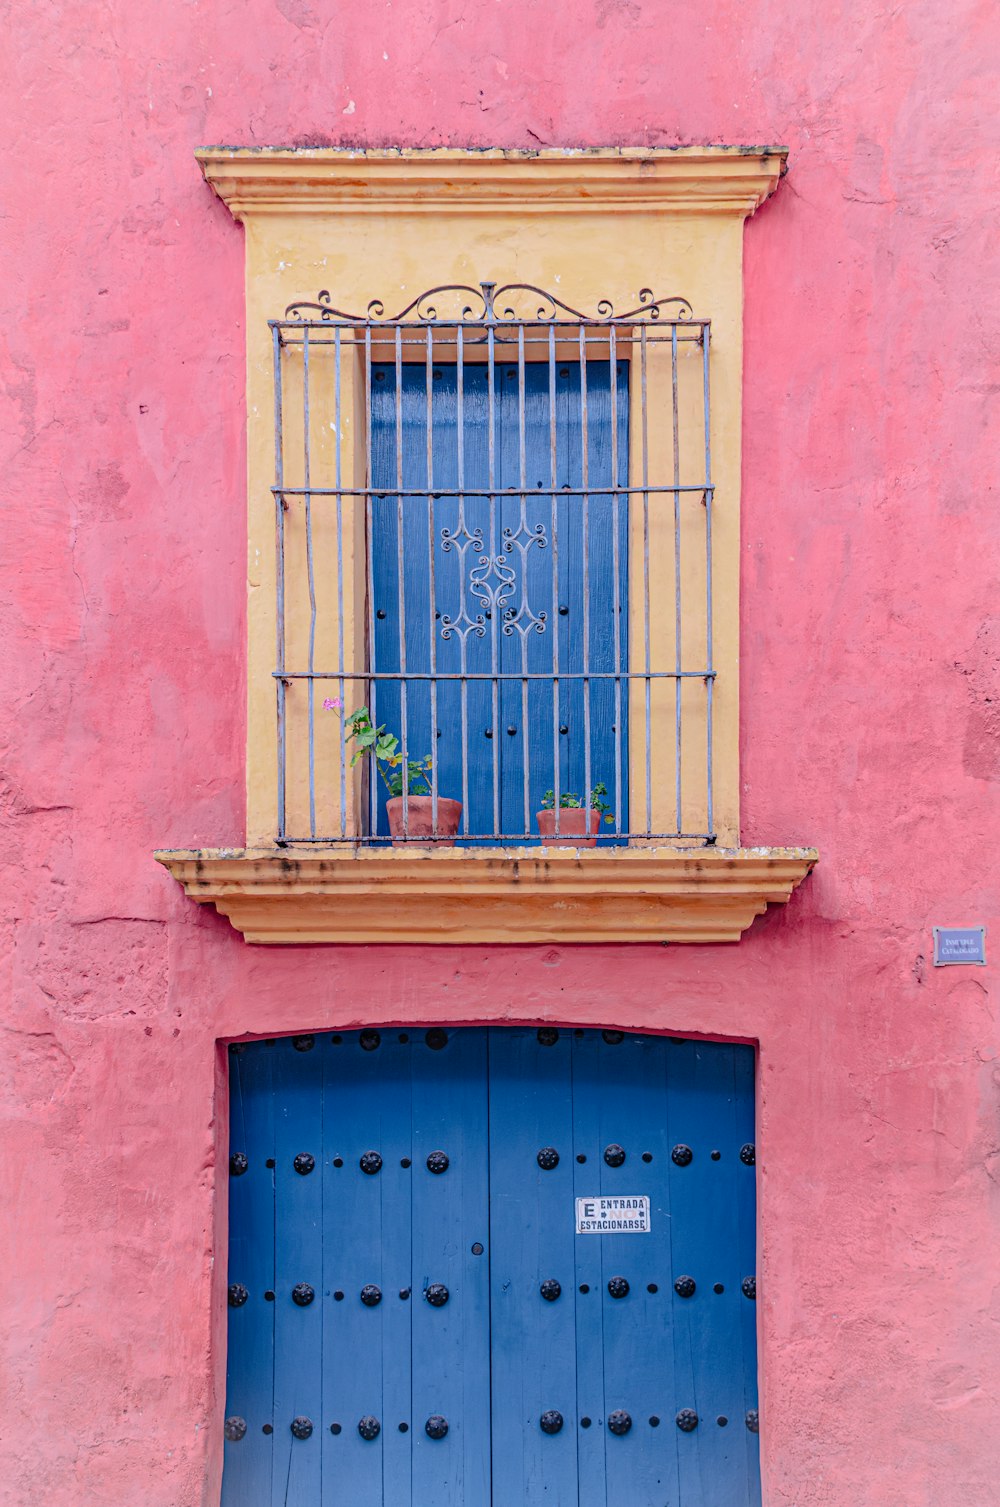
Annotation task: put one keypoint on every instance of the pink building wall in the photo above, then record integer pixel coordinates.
(871, 721)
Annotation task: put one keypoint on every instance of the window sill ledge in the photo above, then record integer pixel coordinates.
(491, 894)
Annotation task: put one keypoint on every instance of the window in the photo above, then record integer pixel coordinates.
(594, 529)
(530, 539)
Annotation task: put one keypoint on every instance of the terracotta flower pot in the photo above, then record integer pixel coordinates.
(578, 827)
(420, 820)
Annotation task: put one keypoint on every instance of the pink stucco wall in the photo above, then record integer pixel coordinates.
(871, 696)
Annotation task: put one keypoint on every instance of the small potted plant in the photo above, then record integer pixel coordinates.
(388, 760)
(578, 824)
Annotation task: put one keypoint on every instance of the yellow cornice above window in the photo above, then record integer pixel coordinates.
(726, 180)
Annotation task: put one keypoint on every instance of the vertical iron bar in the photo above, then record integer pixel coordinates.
(523, 476)
(311, 580)
(430, 547)
(463, 652)
(401, 581)
(645, 569)
(616, 570)
(370, 584)
(585, 483)
(710, 682)
(338, 438)
(279, 479)
(678, 656)
(557, 781)
(494, 640)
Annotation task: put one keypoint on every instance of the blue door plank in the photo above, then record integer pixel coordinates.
(353, 1242)
(531, 1217)
(395, 1312)
(709, 1324)
(746, 1197)
(450, 1208)
(250, 1359)
(637, 1373)
(593, 1441)
(298, 1258)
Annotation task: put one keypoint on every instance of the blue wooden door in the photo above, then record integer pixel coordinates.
(532, 586)
(421, 1315)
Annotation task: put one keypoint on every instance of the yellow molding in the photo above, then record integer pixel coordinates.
(593, 224)
(499, 895)
(705, 180)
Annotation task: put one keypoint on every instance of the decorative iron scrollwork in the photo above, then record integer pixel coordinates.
(490, 305)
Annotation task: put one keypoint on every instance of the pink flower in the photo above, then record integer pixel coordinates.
(333, 704)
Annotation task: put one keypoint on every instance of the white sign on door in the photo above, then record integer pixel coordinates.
(612, 1216)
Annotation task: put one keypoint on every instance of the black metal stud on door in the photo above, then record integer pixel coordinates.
(749, 1287)
(682, 1156)
(304, 1163)
(302, 1294)
(437, 1162)
(753, 1421)
(550, 1289)
(687, 1420)
(369, 1427)
(619, 1422)
(436, 1427)
(370, 1163)
(238, 1164)
(614, 1154)
(371, 1296)
(235, 1428)
(237, 1295)
(548, 1158)
(437, 1295)
(551, 1421)
(618, 1287)
(748, 1154)
(547, 1036)
(369, 1041)
(302, 1427)
(684, 1287)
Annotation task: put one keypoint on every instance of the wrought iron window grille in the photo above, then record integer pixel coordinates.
(494, 531)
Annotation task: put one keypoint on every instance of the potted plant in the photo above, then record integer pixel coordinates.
(578, 824)
(388, 760)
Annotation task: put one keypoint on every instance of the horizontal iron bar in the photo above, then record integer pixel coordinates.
(390, 326)
(440, 493)
(440, 676)
(497, 839)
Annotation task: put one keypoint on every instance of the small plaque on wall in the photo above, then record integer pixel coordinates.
(959, 944)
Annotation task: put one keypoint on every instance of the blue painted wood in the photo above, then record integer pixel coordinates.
(250, 1359)
(297, 1079)
(533, 1340)
(554, 573)
(451, 1345)
(365, 1222)
(496, 1356)
(627, 1089)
